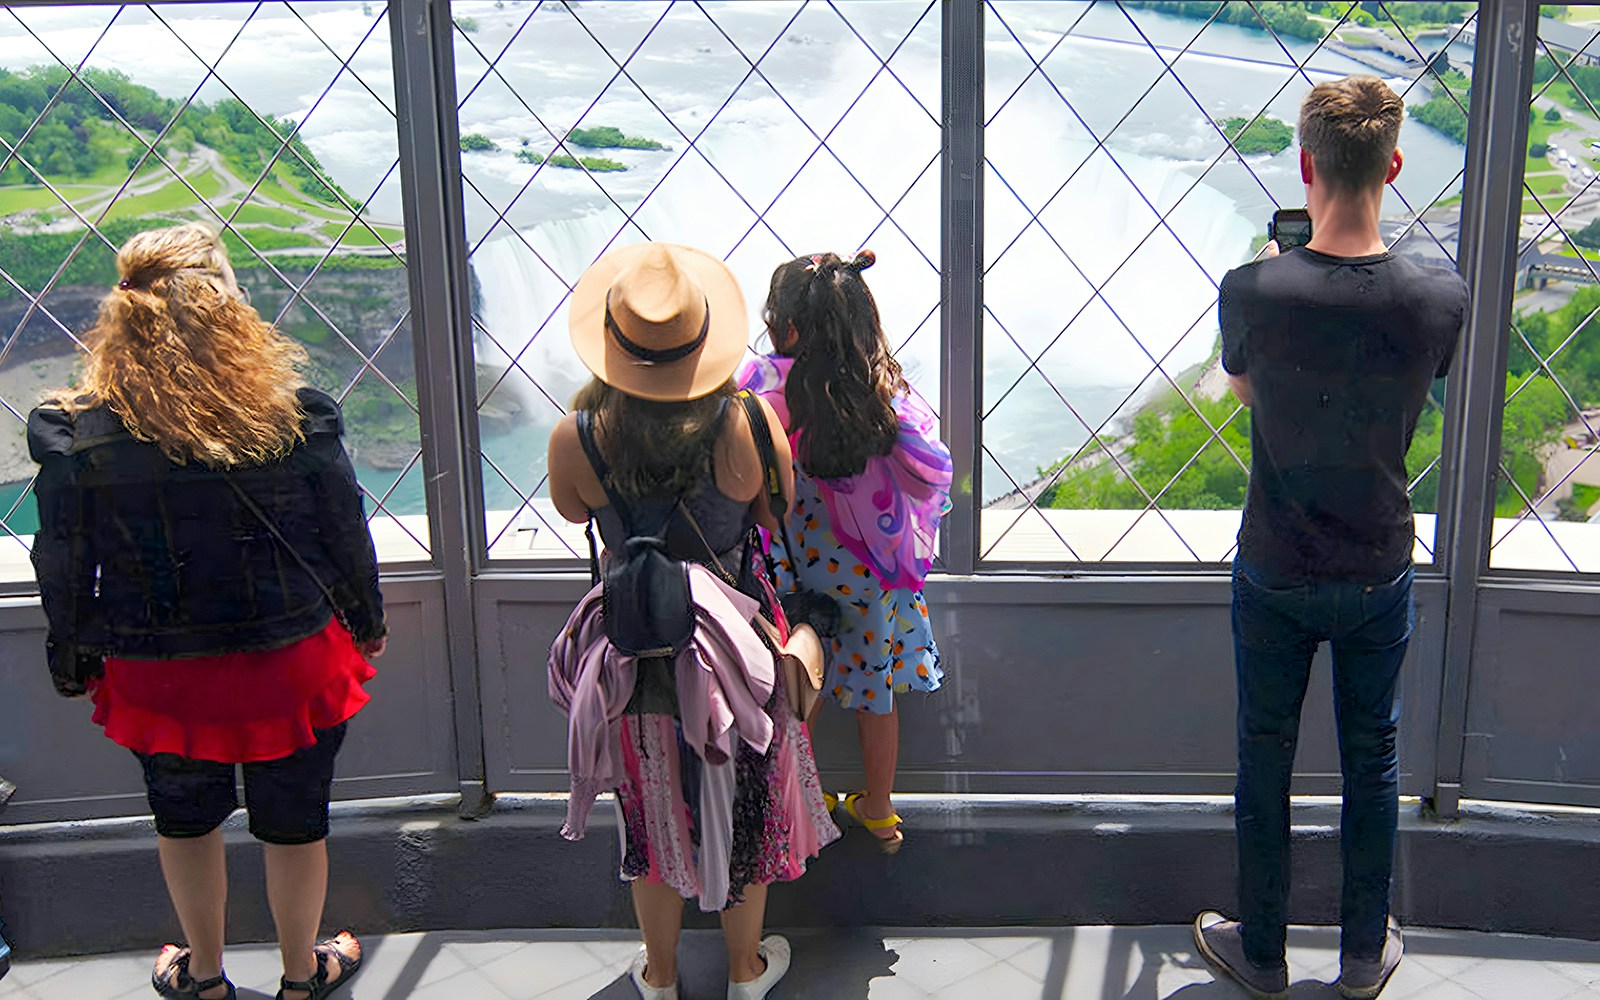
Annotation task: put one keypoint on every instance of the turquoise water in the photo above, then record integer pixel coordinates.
(407, 497)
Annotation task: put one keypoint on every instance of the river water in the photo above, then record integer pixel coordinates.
(756, 187)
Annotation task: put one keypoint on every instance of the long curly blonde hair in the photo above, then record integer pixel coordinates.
(185, 362)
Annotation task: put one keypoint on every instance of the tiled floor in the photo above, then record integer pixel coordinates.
(1086, 963)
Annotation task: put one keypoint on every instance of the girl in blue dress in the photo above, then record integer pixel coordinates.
(872, 480)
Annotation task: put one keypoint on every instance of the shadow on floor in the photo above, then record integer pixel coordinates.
(827, 965)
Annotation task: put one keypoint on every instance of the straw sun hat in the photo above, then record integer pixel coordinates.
(659, 321)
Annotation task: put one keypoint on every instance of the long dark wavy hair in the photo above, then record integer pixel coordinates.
(653, 448)
(842, 387)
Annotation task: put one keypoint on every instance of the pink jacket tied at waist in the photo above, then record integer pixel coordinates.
(888, 516)
(724, 680)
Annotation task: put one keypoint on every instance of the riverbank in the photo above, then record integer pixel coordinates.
(22, 385)
(1205, 381)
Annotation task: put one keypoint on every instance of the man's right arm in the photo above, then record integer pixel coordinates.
(1231, 319)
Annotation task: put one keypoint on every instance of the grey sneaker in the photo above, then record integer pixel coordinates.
(1363, 980)
(1219, 943)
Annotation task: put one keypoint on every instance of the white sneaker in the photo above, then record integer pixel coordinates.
(775, 949)
(636, 973)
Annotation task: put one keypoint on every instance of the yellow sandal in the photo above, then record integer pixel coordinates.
(889, 845)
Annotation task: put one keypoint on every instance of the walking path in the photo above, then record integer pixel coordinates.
(1084, 963)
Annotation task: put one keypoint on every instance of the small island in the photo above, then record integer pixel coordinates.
(477, 142)
(609, 137)
(597, 164)
(1267, 135)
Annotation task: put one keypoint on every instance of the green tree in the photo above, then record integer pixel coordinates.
(1165, 436)
(1533, 420)
(1444, 109)
(1267, 135)
(1552, 114)
(1589, 235)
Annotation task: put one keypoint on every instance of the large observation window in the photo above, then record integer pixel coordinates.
(275, 121)
(1135, 152)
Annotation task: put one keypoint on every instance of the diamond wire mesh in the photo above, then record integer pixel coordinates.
(785, 129)
(170, 115)
(1179, 438)
(1548, 485)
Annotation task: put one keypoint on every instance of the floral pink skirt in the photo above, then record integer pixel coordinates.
(708, 830)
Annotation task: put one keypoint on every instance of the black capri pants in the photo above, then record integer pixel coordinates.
(287, 798)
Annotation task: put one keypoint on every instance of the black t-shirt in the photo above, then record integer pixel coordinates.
(1340, 352)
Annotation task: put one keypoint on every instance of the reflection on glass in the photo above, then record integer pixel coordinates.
(233, 114)
(757, 132)
(1547, 494)
(1135, 153)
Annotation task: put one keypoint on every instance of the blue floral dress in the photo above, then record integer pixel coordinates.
(885, 644)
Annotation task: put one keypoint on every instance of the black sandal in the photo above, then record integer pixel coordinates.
(318, 985)
(179, 985)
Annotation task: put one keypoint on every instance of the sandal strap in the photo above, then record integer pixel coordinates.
(179, 982)
(319, 979)
(850, 805)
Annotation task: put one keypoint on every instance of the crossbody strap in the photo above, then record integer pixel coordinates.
(776, 501)
(261, 515)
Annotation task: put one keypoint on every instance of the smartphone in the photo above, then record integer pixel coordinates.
(1290, 227)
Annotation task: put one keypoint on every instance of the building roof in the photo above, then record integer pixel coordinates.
(1568, 37)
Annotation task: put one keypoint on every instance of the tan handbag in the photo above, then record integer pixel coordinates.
(800, 663)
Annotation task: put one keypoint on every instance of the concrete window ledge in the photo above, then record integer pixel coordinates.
(970, 861)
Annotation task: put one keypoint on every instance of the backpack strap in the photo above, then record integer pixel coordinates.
(602, 472)
(597, 462)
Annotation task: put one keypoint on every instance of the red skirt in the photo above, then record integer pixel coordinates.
(237, 707)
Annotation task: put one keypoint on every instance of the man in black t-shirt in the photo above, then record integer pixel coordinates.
(1334, 347)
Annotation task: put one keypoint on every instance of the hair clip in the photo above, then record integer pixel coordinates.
(816, 262)
(125, 284)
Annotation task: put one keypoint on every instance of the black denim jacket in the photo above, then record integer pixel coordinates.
(141, 558)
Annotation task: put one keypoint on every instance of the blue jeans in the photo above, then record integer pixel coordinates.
(1277, 628)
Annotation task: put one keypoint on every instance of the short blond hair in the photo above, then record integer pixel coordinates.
(1351, 127)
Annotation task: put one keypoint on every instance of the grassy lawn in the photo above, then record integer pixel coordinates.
(1541, 131)
(1546, 182)
(171, 197)
(1574, 252)
(1585, 496)
(208, 184)
(1552, 205)
(22, 199)
(266, 215)
(276, 190)
(359, 236)
(276, 239)
(1563, 93)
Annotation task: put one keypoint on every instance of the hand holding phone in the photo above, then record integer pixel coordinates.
(1290, 228)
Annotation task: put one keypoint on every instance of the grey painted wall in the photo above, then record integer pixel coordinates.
(403, 743)
(1084, 685)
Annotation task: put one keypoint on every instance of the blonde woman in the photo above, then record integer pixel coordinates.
(210, 583)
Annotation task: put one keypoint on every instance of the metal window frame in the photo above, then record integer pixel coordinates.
(423, 47)
(961, 280)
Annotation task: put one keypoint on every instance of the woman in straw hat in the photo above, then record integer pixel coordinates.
(662, 328)
(210, 583)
